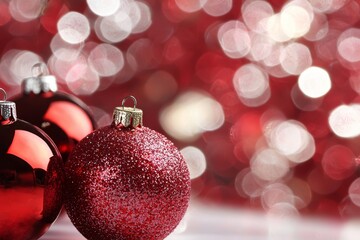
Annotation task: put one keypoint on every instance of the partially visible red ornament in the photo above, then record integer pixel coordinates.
(63, 117)
(126, 181)
(31, 178)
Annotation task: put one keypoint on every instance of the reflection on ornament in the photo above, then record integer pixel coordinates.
(63, 117)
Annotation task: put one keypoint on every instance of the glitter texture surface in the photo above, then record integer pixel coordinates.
(125, 183)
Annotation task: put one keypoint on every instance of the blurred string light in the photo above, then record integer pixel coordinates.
(190, 115)
(252, 85)
(77, 62)
(106, 60)
(314, 82)
(354, 192)
(16, 65)
(217, 8)
(131, 17)
(25, 11)
(269, 165)
(195, 160)
(292, 140)
(74, 27)
(348, 45)
(214, 8)
(63, 50)
(190, 6)
(234, 39)
(104, 8)
(344, 121)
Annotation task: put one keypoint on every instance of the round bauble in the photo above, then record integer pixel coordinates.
(65, 118)
(126, 181)
(31, 178)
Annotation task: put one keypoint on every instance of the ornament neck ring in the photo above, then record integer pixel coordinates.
(128, 117)
(7, 110)
(41, 81)
(126, 98)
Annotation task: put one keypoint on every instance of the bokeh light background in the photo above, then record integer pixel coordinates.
(261, 96)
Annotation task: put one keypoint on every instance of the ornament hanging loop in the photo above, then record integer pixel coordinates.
(43, 7)
(4, 94)
(39, 69)
(126, 98)
(127, 116)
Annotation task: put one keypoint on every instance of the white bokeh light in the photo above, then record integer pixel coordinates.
(268, 165)
(276, 193)
(64, 50)
(273, 59)
(254, 13)
(25, 11)
(106, 60)
(247, 184)
(81, 79)
(234, 39)
(195, 160)
(314, 82)
(295, 21)
(73, 27)
(328, 6)
(143, 20)
(191, 114)
(278, 212)
(252, 83)
(321, 6)
(104, 8)
(349, 49)
(217, 8)
(348, 45)
(274, 28)
(114, 28)
(261, 47)
(354, 192)
(292, 140)
(319, 28)
(190, 5)
(295, 58)
(344, 121)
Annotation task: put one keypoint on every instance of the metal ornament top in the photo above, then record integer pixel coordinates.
(41, 81)
(128, 116)
(7, 110)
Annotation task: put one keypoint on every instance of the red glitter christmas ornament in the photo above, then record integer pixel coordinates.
(31, 178)
(126, 181)
(65, 118)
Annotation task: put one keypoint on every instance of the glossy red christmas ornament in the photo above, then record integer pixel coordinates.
(31, 178)
(63, 117)
(126, 181)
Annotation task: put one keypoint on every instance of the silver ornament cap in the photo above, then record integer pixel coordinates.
(128, 116)
(40, 82)
(7, 110)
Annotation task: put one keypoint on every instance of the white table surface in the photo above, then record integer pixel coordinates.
(219, 223)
